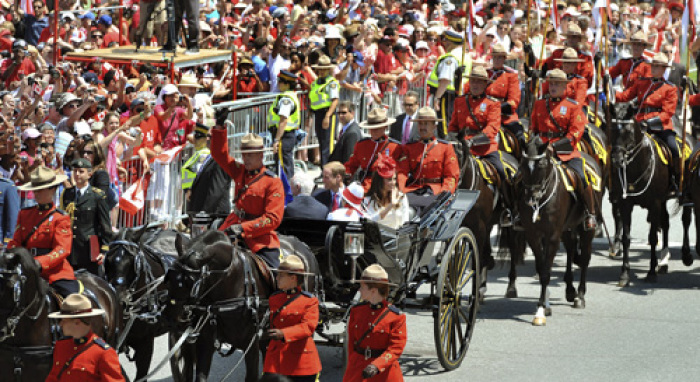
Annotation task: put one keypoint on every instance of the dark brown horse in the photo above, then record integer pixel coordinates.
(26, 337)
(551, 214)
(219, 289)
(692, 187)
(484, 215)
(639, 178)
(135, 266)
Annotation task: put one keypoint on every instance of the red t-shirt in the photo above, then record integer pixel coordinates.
(151, 132)
(385, 64)
(26, 68)
(47, 33)
(113, 37)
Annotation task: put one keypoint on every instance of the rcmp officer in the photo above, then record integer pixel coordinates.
(293, 320)
(477, 117)
(206, 184)
(505, 88)
(635, 67)
(81, 355)
(427, 166)
(366, 153)
(46, 231)
(573, 40)
(89, 212)
(577, 88)
(561, 122)
(376, 332)
(657, 100)
(283, 119)
(441, 80)
(323, 100)
(259, 203)
(10, 209)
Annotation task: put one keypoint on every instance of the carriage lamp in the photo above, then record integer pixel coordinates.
(354, 244)
(200, 223)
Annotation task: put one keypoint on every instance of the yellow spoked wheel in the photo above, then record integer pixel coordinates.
(457, 288)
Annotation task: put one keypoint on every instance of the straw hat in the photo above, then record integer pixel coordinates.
(42, 177)
(660, 59)
(251, 143)
(353, 195)
(574, 30)
(425, 114)
(479, 73)
(585, 7)
(498, 50)
(189, 81)
(324, 63)
(638, 38)
(569, 55)
(376, 119)
(245, 60)
(292, 264)
(76, 306)
(375, 273)
(557, 75)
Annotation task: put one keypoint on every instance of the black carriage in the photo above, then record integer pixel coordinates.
(432, 249)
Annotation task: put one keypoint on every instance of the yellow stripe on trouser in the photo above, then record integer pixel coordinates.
(279, 152)
(443, 106)
(331, 143)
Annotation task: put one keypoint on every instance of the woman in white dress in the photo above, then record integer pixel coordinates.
(384, 202)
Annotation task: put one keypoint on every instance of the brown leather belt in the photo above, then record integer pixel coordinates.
(650, 109)
(424, 181)
(244, 215)
(40, 251)
(369, 353)
(551, 135)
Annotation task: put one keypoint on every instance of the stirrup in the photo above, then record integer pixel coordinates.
(506, 219)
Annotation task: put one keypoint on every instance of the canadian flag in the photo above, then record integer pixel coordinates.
(168, 156)
(47, 93)
(37, 89)
(133, 199)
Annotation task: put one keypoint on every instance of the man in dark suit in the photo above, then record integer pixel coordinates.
(209, 191)
(87, 207)
(304, 206)
(404, 130)
(9, 197)
(349, 133)
(333, 175)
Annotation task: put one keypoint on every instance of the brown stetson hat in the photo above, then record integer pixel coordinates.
(76, 306)
(376, 274)
(251, 143)
(292, 264)
(376, 119)
(569, 55)
(42, 177)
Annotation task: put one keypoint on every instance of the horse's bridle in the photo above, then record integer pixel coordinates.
(538, 190)
(628, 156)
(8, 331)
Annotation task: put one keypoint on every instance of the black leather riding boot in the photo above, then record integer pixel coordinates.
(589, 223)
(675, 170)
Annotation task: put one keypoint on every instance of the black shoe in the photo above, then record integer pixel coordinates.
(167, 48)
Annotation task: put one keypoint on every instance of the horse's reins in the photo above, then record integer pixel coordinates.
(8, 331)
(628, 157)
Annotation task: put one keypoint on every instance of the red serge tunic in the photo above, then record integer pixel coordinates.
(569, 118)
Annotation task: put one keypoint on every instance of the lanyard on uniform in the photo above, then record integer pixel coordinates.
(426, 151)
(31, 233)
(647, 94)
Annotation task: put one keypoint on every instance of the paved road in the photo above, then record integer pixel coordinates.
(646, 332)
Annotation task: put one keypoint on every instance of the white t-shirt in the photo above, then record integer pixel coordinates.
(276, 64)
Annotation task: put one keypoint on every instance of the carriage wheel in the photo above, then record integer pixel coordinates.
(457, 290)
(177, 361)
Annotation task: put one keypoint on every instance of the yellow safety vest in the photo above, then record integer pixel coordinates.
(273, 119)
(434, 81)
(188, 171)
(318, 96)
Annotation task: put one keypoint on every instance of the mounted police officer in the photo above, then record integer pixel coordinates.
(428, 166)
(283, 119)
(323, 99)
(46, 231)
(81, 355)
(259, 203)
(443, 80)
(504, 87)
(577, 88)
(573, 40)
(477, 117)
(657, 100)
(635, 67)
(561, 122)
(89, 212)
(363, 161)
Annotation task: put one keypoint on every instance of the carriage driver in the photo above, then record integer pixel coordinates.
(259, 203)
(46, 231)
(376, 332)
(428, 165)
(81, 355)
(561, 122)
(477, 117)
(293, 320)
(657, 100)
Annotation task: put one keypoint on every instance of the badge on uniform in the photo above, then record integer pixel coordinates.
(482, 107)
(562, 111)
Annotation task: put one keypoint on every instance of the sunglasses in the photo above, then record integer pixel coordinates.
(97, 36)
(90, 152)
(343, 112)
(139, 110)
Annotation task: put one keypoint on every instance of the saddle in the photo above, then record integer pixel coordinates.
(508, 142)
(574, 183)
(694, 161)
(265, 271)
(489, 173)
